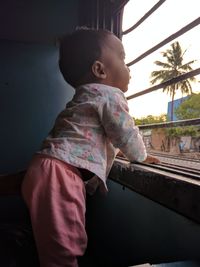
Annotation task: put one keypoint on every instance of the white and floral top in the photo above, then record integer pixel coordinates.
(92, 128)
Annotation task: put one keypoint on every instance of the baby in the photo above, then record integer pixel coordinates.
(80, 149)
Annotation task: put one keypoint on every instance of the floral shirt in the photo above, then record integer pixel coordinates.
(92, 128)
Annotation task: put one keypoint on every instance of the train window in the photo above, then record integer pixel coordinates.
(161, 41)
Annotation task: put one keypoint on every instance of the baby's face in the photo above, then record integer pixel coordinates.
(113, 57)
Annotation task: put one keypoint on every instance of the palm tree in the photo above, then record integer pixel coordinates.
(173, 67)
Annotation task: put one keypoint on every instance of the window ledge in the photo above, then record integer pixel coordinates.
(178, 193)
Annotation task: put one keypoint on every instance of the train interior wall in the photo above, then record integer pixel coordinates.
(32, 88)
(124, 227)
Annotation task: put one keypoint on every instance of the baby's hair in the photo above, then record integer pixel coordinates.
(78, 52)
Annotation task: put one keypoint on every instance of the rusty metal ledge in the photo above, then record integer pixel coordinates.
(171, 190)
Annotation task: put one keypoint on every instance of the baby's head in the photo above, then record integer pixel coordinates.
(93, 56)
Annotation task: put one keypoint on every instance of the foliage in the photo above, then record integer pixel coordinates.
(170, 132)
(190, 108)
(172, 68)
(150, 119)
(183, 131)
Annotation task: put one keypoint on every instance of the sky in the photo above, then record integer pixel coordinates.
(166, 20)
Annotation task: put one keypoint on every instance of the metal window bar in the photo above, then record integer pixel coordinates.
(156, 6)
(164, 84)
(167, 40)
(182, 77)
(170, 124)
(186, 28)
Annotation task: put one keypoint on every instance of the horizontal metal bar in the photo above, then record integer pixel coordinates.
(167, 40)
(164, 84)
(156, 6)
(169, 124)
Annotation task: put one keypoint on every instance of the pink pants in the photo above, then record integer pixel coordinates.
(55, 195)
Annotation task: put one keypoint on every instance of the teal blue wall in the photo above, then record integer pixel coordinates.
(32, 93)
(126, 228)
(32, 90)
(37, 20)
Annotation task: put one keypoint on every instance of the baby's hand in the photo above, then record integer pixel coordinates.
(151, 159)
(120, 154)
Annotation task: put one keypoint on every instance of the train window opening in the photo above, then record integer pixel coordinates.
(162, 51)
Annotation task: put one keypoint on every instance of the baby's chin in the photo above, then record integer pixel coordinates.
(124, 89)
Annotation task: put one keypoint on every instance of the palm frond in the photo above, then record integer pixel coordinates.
(162, 64)
(172, 68)
(187, 66)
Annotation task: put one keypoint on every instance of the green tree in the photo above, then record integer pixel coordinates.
(173, 67)
(182, 131)
(190, 108)
(150, 119)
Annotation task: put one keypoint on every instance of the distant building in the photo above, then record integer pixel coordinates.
(177, 103)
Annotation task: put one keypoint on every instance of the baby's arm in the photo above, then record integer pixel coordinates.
(149, 159)
(120, 129)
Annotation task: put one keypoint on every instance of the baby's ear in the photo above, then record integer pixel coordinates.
(98, 69)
